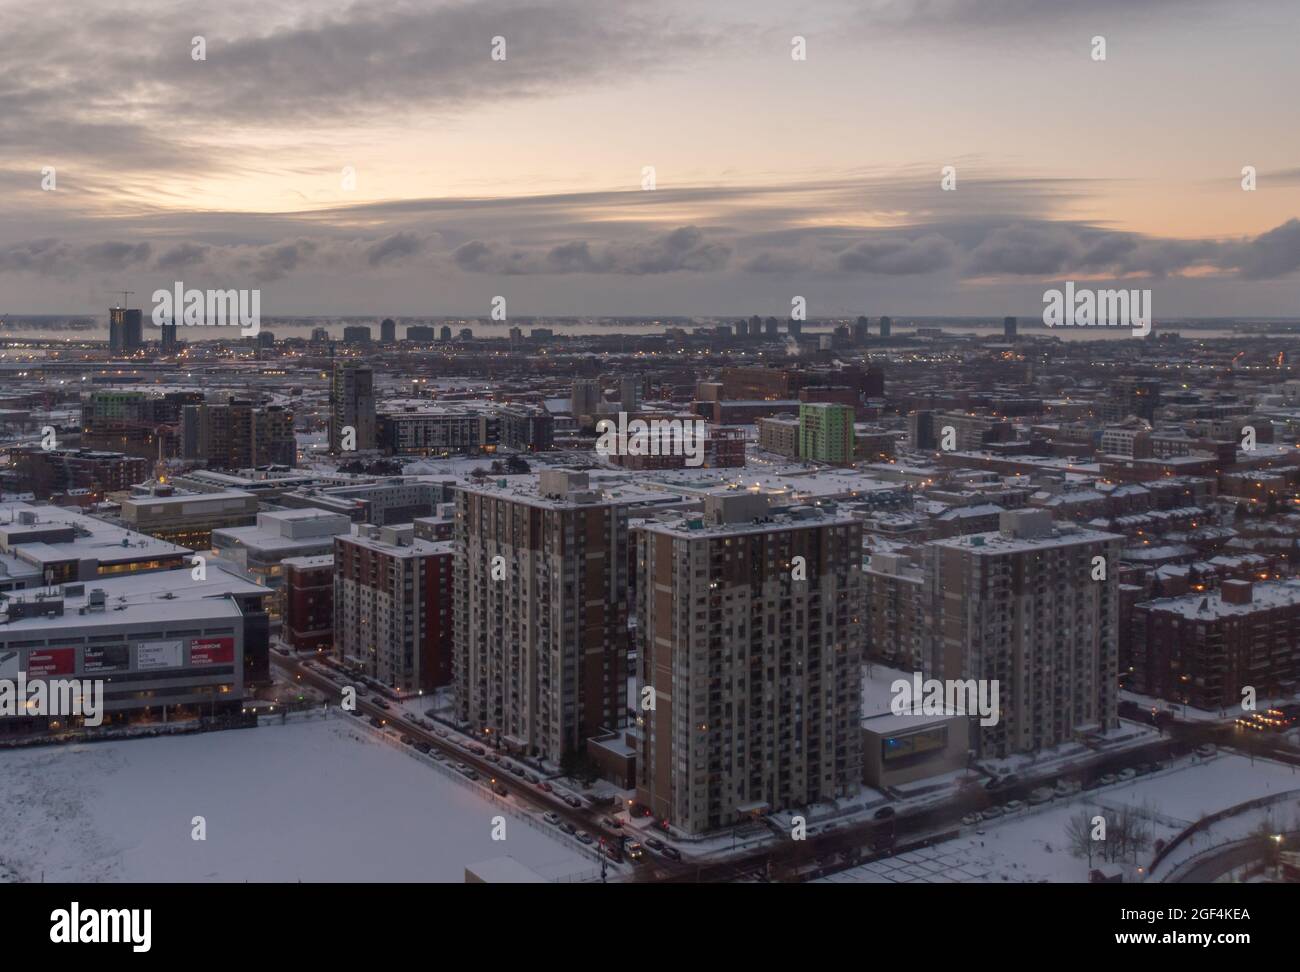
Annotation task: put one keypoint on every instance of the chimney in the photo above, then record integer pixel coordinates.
(1237, 592)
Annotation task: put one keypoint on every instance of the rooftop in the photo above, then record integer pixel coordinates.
(158, 596)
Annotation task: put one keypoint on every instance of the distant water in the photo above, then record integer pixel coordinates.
(86, 329)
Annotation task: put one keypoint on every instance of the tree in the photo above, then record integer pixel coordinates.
(1078, 835)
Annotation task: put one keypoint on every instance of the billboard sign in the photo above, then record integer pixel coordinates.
(51, 661)
(106, 658)
(212, 651)
(158, 654)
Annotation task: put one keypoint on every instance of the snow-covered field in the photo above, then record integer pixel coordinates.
(312, 801)
(1031, 845)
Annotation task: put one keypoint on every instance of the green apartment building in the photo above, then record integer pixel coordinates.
(826, 433)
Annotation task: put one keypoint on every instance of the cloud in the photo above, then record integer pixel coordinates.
(119, 85)
(898, 257)
(683, 249)
(395, 249)
(1269, 255)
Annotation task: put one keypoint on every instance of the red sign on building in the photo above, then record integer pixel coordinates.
(212, 651)
(51, 661)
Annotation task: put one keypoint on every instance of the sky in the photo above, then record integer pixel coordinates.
(602, 157)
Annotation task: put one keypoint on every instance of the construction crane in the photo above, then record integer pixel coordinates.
(125, 294)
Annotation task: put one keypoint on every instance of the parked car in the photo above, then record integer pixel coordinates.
(1013, 806)
(407, 740)
(1107, 779)
(654, 843)
(1126, 774)
(492, 758)
(971, 819)
(1040, 795)
(572, 801)
(672, 853)
(423, 747)
(376, 722)
(1142, 769)
(568, 828)
(552, 818)
(476, 749)
(1205, 750)
(500, 790)
(583, 836)
(884, 813)
(992, 813)
(543, 785)
(380, 702)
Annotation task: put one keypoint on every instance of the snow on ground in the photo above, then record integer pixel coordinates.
(316, 800)
(1031, 845)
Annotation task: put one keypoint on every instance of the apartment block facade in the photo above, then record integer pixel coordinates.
(1022, 606)
(826, 433)
(755, 675)
(392, 606)
(541, 638)
(1203, 649)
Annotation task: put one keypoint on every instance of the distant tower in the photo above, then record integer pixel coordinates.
(794, 328)
(886, 325)
(1009, 328)
(125, 330)
(388, 331)
(861, 331)
(352, 404)
(444, 334)
(169, 342)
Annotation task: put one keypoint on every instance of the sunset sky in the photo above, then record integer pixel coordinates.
(773, 177)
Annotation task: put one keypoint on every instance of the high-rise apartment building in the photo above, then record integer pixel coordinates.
(1021, 606)
(749, 638)
(125, 330)
(168, 341)
(541, 635)
(586, 398)
(392, 606)
(826, 433)
(237, 435)
(895, 621)
(1009, 328)
(352, 405)
(388, 331)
